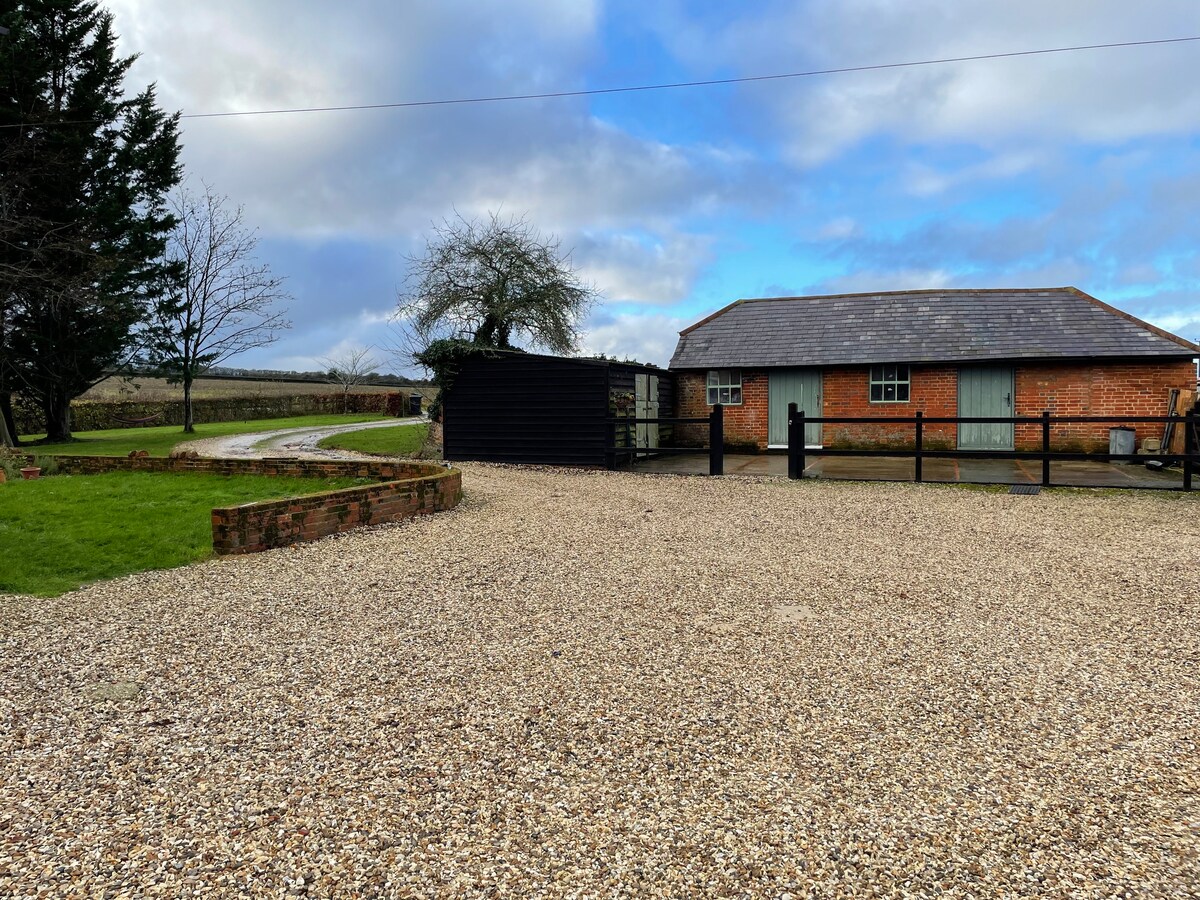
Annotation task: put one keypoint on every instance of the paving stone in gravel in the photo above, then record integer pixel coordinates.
(757, 689)
(114, 690)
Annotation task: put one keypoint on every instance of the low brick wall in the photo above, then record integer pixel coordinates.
(405, 489)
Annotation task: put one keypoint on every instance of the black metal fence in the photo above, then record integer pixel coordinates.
(797, 454)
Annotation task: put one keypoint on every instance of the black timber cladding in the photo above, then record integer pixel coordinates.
(542, 410)
(935, 326)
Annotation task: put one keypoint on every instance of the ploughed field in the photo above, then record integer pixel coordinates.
(595, 684)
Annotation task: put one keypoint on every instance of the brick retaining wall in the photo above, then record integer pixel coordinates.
(406, 489)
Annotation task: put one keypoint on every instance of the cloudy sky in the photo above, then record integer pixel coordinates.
(1075, 168)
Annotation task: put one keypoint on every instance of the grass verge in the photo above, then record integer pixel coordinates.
(402, 440)
(161, 439)
(59, 533)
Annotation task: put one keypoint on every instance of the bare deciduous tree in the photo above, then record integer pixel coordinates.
(227, 301)
(492, 282)
(349, 369)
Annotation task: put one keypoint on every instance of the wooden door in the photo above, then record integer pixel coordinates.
(645, 403)
(985, 391)
(799, 386)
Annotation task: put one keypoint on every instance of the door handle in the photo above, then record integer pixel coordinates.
(1008, 398)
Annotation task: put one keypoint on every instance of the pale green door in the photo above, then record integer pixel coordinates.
(799, 386)
(645, 399)
(985, 391)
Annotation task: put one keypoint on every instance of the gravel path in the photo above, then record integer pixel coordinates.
(588, 684)
(299, 442)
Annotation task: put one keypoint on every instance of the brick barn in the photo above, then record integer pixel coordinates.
(944, 352)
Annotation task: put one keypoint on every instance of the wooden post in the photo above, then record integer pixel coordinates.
(801, 463)
(1046, 448)
(1189, 448)
(795, 444)
(919, 446)
(716, 441)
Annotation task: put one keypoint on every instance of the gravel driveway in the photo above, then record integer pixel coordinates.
(590, 684)
(299, 442)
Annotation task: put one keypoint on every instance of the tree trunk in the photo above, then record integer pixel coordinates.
(8, 424)
(189, 425)
(58, 416)
(486, 335)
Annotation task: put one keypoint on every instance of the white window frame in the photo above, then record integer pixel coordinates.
(899, 376)
(722, 386)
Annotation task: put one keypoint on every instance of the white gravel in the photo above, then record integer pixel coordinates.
(596, 685)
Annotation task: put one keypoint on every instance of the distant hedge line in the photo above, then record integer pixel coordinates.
(87, 415)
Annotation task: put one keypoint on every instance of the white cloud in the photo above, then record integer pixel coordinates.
(648, 337)
(895, 280)
(839, 229)
(1104, 96)
(636, 269)
(923, 180)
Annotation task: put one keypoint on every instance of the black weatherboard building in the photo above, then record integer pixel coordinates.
(550, 410)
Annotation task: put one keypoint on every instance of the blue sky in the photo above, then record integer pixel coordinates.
(1077, 169)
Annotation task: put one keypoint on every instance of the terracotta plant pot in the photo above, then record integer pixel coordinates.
(29, 473)
(3, 477)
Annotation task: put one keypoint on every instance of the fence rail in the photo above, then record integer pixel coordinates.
(716, 439)
(797, 454)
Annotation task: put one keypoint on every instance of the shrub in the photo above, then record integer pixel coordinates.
(396, 403)
(11, 463)
(48, 465)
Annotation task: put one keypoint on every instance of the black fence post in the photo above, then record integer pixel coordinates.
(921, 441)
(716, 441)
(1045, 448)
(1189, 450)
(801, 434)
(795, 444)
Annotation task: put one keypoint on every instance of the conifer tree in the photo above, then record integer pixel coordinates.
(87, 171)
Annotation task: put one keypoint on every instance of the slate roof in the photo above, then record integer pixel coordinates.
(920, 326)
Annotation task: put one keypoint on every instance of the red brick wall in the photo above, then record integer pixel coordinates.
(933, 391)
(406, 489)
(745, 425)
(1082, 389)
(1093, 389)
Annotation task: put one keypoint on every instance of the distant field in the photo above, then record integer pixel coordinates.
(219, 388)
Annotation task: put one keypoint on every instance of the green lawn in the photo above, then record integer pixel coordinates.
(160, 439)
(401, 440)
(59, 533)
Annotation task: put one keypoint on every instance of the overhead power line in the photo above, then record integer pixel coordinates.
(628, 89)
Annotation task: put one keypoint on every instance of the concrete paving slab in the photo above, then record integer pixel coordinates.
(888, 468)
